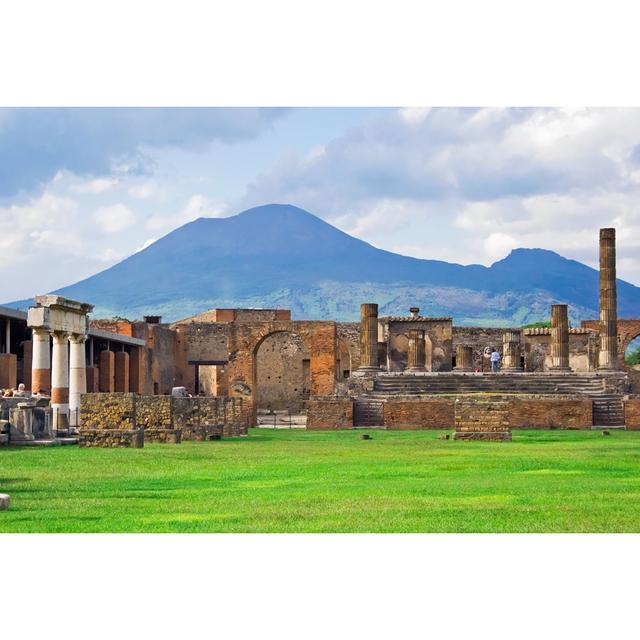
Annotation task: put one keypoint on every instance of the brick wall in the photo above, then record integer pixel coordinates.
(419, 413)
(632, 414)
(544, 413)
(329, 413)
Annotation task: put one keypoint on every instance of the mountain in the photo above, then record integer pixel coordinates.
(282, 256)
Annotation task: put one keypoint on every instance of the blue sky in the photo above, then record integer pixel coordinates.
(80, 189)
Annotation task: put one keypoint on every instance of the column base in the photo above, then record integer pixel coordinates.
(561, 369)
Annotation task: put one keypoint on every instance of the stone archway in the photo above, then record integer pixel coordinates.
(282, 373)
(628, 331)
(244, 340)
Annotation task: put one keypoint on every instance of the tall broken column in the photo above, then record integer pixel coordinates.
(41, 361)
(369, 337)
(464, 358)
(511, 351)
(416, 353)
(559, 338)
(608, 357)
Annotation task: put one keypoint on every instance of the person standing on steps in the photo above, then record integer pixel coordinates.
(495, 361)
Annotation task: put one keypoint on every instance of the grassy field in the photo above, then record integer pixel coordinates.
(299, 481)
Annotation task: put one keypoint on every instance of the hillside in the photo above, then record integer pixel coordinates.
(282, 256)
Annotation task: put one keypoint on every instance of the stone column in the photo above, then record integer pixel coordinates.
(121, 375)
(608, 357)
(77, 376)
(369, 337)
(559, 338)
(511, 351)
(60, 381)
(416, 355)
(107, 371)
(41, 361)
(464, 358)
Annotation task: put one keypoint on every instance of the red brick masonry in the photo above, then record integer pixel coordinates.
(525, 412)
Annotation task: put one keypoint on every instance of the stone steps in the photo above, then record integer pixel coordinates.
(497, 383)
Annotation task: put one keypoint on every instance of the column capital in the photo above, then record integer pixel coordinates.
(40, 331)
(78, 338)
(60, 336)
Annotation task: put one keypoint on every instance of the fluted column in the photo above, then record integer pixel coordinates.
(41, 361)
(464, 358)
(416, 354)
(608, 357)
(60, 381)
(559, 338)
(369, 337)
(511, 351)
(77, 376)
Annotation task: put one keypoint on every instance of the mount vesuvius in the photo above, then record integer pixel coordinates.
(282, 256)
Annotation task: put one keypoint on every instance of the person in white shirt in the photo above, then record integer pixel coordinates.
(495, 361)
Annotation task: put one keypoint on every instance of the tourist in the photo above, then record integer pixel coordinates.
(21, 392)
(495, 361)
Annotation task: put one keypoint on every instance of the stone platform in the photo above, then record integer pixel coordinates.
(482, 419)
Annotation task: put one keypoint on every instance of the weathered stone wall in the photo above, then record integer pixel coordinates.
(107, 411)
(481, 419)
(550, 412)
(329, 413)
(283, 367)
(348, 349)
(438, 342)
(422, 413)
(112, 438)
(583, 348)
(184, 418)
(199, 342)
(159, 358)
(201, 418)
(318, 337)
(632, 414)
(479, 338)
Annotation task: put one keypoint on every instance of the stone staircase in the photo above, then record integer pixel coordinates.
(569, 384)
(608, 410)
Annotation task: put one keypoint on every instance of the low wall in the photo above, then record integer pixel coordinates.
(550, 412)
(329, 413)
(632, 414)
(161, 418)
(112, 438)
(419, 413)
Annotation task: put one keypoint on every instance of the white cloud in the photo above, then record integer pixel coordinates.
(114, 218)
(472, 182)
(97, 185)
(143, 191)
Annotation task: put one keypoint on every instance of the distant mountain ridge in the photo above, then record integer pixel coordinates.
(278, 255)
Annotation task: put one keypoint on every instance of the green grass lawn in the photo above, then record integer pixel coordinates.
(300, 481)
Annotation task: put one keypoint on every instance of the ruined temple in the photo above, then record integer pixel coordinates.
(395, 372)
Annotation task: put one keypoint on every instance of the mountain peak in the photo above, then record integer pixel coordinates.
(279, 255)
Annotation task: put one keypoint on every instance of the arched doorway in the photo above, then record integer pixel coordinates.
(632, 354)
(282, 375)
(343, 361)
